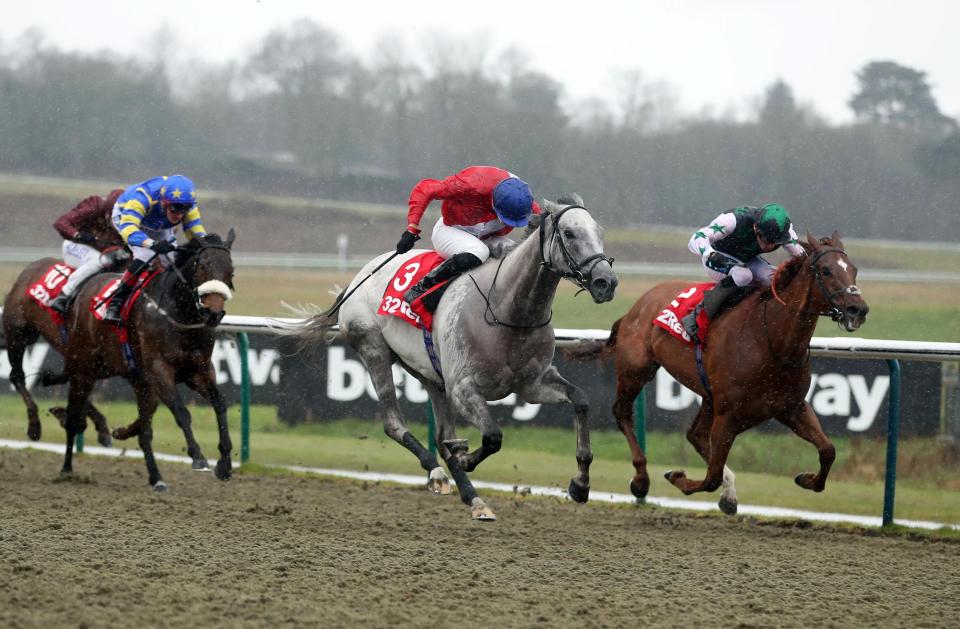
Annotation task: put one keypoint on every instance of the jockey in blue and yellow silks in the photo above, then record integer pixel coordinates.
(146, 215)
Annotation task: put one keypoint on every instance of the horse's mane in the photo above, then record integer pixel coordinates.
(194, 245)
(790, 268)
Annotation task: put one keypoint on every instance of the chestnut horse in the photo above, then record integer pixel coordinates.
(755, 359)
(24, 322)
(171, 330)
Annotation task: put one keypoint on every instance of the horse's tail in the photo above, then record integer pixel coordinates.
(317, 325)
(592, 350)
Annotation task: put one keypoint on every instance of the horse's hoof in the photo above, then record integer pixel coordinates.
(200, 465)
(33, 432)
(223, 470)
(579, 493)
(674, 475)
(119, 433)
(159, 486)
(65, 473)
(103, 438)
(727, 506)
(639, 491)
(480, 512)
(438, 482)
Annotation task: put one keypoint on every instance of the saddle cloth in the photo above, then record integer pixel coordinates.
(669, 318)
(49, 287)
(392, 303)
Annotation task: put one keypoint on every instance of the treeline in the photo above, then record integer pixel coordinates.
(302, 115)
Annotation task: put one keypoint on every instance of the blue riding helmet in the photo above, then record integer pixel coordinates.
(178, 190)
(513, 201)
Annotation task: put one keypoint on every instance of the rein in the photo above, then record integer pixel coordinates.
(576, 272)
(493, 320)
(195, 260)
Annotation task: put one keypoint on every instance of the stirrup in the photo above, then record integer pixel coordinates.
(113, 316)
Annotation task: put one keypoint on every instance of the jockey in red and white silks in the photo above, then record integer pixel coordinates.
(481, 205)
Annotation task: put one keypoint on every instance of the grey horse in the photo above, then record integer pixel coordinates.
(492, 337)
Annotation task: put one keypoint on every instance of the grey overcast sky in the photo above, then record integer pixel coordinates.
(715, 53)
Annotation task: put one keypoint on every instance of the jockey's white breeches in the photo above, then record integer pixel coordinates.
(84, 259)
(448, 241)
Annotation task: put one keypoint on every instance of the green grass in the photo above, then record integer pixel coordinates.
(928, 488)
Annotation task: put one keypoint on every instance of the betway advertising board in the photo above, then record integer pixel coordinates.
(849, 396)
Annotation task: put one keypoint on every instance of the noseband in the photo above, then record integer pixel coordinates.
(577, 269)
(834, 311)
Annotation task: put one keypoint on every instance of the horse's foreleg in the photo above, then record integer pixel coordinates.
(164, 379)
(204, 383)
(146, 406)
(438, 481)
(471, 405)
(552, 389)
(722, 435)
(699, 438)
(629, 385)
(18, 379)
(100, 422)
(805, 423)
(76, 421)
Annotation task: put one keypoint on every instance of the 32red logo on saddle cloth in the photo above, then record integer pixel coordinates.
(406, 276)
(669, 318)
(50, 286)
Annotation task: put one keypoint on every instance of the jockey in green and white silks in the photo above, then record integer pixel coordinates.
(729, 249)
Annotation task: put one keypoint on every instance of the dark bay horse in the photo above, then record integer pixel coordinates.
(492, 337)
(171, 330)
(756, 359)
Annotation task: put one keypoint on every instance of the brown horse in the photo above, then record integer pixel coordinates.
(171, 330)
(24, 322)
(755, 361)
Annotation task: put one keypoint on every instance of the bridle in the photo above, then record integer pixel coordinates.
(211, 319)
(578, 270)
(834, 311)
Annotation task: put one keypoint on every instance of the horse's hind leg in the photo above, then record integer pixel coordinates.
(438, 481)
(805, 423)
(699, 438)
(378, 360)
(18, 340)
(630, 381)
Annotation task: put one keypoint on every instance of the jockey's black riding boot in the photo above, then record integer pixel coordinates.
(59, 304)
(713, 301)
(448, 269)
(127, 282)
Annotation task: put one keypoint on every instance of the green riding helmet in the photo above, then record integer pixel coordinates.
(773, 224)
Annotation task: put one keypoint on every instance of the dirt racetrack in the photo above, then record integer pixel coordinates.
(103, 550)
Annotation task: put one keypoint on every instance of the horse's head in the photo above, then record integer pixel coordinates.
(571, 245)
(207, 267)
(836, 277)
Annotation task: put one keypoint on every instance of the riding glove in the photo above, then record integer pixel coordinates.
(407, 241)
(163, 246)
(85, 238)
